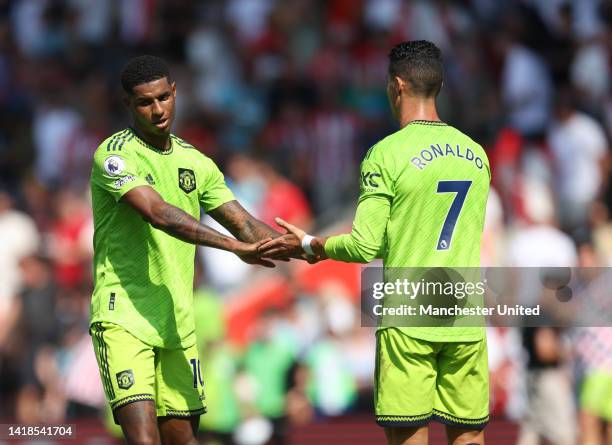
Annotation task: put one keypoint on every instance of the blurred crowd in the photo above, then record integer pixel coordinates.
(287, 96)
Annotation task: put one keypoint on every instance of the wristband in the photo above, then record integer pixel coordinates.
(306, 244)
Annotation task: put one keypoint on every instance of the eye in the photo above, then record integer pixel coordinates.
(165, 96)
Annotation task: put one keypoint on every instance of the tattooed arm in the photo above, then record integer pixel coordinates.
(178, 223)
(241, 223)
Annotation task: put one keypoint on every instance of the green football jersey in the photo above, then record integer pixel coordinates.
(143, 277)
(422, 204)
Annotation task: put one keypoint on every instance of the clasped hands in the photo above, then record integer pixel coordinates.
(282, 248)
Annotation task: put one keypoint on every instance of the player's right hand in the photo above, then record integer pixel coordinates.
(249, 253)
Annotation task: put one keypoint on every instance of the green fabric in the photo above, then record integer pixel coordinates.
(416, 380)
(268, 363)
(596, 394)
(209, 317)
(219, 367)
(132, 370)
(144, 277)
(331, 387)
(403, 208)
(219, 364)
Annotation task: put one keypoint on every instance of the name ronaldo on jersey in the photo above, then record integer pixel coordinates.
(427, 155)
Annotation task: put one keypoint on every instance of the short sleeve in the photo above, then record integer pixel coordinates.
(214, 191)
(115, 174)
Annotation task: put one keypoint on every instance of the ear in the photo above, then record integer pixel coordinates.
(173, 86)
(399, 84)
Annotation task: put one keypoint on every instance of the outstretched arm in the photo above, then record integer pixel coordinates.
(178, 223)
(241, 223)
(361, 245)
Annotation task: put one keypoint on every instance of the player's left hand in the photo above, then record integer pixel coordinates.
(288, 245)
(284, 246)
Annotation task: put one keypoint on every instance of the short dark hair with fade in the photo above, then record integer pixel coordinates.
(143, 69)
(419, 63)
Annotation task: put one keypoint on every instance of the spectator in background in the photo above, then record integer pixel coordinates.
(220, 370)
(332, 387)
(225, 274)
(601, 232)
(550, 413)
(70, 239)
(332, 153)
(592, 348)
(580, 153)
(19, 238)
(526, 87)
(537, 242)
(507, 371)
(39, 396)
(267, 364)
(593, 353)
(56, 124)
(298, 406)
(281, 196)
(299, 81)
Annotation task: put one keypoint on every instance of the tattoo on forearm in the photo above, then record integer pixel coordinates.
(256, 230)
(241, 223)
(185, 227)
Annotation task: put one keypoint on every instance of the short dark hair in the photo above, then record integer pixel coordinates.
(419, 63)
(143, 69)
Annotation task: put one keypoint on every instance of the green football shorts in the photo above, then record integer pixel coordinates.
(418, 380)
(132, 370)
(596, 394)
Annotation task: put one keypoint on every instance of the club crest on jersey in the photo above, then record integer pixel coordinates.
(114, 165)
(125, 379)
(186, 179)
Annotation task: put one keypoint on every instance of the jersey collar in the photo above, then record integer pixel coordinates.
(426, 122)
(151, 147)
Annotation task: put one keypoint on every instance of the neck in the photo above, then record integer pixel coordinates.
(161, 142)
(415, 109)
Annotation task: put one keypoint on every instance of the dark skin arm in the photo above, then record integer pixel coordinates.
(241, 223)
(246, 227)
(176, 222)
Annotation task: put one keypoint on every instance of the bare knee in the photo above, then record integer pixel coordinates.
(179, 431)
(459, 436)
(407, 436)
(142, 439)
(138, 421)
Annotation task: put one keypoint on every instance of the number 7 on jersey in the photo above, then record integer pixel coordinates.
(460, 188)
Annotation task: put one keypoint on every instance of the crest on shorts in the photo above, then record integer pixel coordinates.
(186, 179)
(125, 379)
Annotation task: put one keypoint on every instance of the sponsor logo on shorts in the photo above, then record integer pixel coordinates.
(125, 379)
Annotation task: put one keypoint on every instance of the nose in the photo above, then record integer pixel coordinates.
(157, 108)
